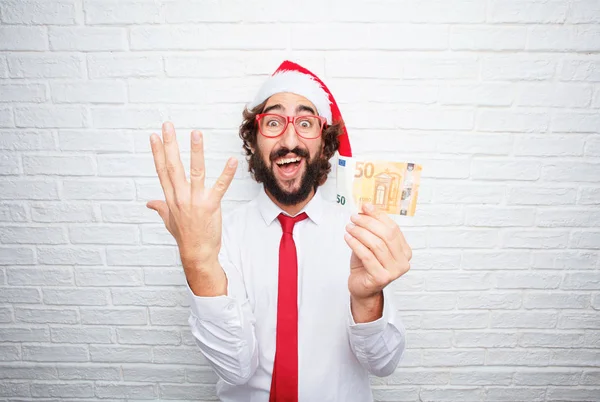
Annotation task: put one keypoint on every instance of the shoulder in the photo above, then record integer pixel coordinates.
(236, 224)
(240, 215)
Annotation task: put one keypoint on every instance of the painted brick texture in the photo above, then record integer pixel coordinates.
(498, 99)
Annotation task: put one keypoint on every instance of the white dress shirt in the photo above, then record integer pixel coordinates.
(237, 332)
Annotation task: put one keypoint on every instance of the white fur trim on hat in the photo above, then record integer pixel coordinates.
(298, 83)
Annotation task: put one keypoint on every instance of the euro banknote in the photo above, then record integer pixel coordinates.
(392, 187)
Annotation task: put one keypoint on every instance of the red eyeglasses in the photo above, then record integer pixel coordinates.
(307, 126)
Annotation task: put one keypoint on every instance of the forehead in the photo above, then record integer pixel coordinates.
(289, 101)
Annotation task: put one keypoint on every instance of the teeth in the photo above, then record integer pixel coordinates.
(288, 160)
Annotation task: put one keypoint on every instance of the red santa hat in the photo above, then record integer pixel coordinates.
(291, 77)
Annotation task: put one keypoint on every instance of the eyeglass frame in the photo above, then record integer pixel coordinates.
(291, 119)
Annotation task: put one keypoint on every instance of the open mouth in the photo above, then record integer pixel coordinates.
(288, 167)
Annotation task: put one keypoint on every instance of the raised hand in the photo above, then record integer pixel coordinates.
(191, 212)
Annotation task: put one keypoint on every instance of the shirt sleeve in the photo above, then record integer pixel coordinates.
(378, 345)
(223, 327)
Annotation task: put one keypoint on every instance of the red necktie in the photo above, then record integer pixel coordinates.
(284, 383)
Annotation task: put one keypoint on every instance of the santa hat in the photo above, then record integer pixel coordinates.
(291, 77)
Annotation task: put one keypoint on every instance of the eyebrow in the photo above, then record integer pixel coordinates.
(304, 108)
(300, 108)
(273, 107)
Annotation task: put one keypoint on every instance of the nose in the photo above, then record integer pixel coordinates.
(289, 138)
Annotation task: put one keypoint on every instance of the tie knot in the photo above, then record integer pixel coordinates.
(288, 222)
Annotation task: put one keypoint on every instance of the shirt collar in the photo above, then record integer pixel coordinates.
(269, 211)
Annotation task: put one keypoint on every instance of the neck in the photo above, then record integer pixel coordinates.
(292, 210)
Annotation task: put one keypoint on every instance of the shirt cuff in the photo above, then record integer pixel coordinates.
(373, 327)
(215, 308)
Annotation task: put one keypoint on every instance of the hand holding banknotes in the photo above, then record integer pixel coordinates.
(380, 253)
(191, 212)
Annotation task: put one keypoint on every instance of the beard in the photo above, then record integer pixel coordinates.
(266, 175)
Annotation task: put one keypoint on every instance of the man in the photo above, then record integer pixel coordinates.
(288, 294)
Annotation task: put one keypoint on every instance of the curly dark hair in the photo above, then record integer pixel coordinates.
(249, 132)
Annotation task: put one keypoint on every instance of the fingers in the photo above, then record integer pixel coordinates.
(158, 154)
(224, 180)
(384, 227)
(172, 175)
(379, 274)
(173, 162)
(374, 243)
(197, 168)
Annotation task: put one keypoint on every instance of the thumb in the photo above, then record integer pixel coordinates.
(159, 206)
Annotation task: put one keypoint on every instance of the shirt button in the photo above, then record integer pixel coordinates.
(230, 307)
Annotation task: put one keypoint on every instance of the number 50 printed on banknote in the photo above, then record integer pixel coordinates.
(392, 187)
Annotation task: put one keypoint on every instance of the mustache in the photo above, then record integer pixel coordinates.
(281, 152)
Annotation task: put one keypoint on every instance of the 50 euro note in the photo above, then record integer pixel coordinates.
(392, 187)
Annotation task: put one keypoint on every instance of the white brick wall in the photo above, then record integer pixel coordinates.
(499, 99)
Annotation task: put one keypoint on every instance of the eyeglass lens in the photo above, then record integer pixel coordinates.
(306, 126)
